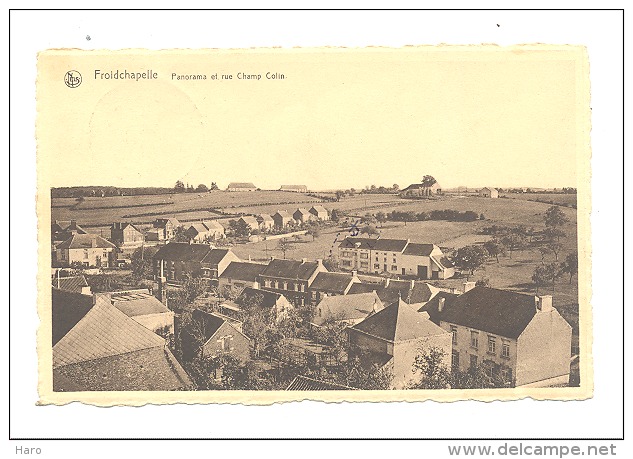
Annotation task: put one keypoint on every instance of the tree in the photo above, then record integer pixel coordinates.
(432, 369)
(284, 245)
(546, 274)
(470, 258)
(554, 217)
(202, 188)
(179, 187)
(214, 186)
(315, 232)
(513, 240)
(369, 230)
(395, 187)
(428, 180)
(544, 250)
(339, 194)
(180, 235)
(555, 248)
(551, 233)
(381, 217)
(494, 248)
(335, 215)
(570, 265)
(239, 228)
(142, 263)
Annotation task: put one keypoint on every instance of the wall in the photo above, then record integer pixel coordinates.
(239, 344)
(405, 352)
(544, 349)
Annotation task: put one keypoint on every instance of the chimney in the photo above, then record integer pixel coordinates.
(543, 303)
(93, 242)
(440, 306)
(162, 297)
(412, 282)
(272, 257)
(387, 283)
(249, 257)
(468, 286)
(304, 260)
(354, 273)
(375, 307)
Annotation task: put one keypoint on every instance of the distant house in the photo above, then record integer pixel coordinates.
(240, 274)
(266, 222)
(61, 230)
(489, 193)
(394, 256)
(211, 335)
(422, 190)
(294, 188)
(274, 302)
(241, 186)
(281, 219)
(292, 278)
(393, 337)
(415, 293)
(522, 337)
(166, 227)
(123, 233)
(76, 284)
(331, 284)
(320, 213)
(250, 221)
(348, 309)
(108, 351)
(309, 384)
(204, 231)
(87, 250)
(177, 260)
(144, 308)
(302, 215)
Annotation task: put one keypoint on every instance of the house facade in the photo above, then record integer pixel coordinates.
(178, 260)
(282, 219)
(166, 228)
(320, 213)
(86, 250)
(241, 186)
(250, 221)
(240, 274)
(211, 335)
(273, 302)
(126, 234)
(489, 193)
(266, 222)
(394, 256)
(523, 338)
(331, 284)
(205, 231)
(291, 278)
(302, 215)
(393, 337)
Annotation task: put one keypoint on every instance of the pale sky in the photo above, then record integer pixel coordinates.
(339, 119)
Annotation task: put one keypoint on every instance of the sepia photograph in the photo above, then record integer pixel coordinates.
(339, 224)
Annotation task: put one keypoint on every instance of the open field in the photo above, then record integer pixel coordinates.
(558, 199)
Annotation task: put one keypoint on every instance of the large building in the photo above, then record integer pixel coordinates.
(489, 193)
(89, 250)
(393, 337)
(144, 308)
(394, 256)
(166, 228)
(241, 186)
(332, 284)
(291, 278)
(178, 260)
(205, 231)
(521, 337)
(126, 234)
(240, 274)
(422, 190)
(294, 188)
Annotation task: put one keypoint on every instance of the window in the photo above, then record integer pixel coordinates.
(285, 284)
(492, 345)
(394, 268)
(376, 265)
(474, 339)
(506, 374)
(376, 258)
(267, 283)
(455, 359)
(347, 263)
(301, 288)
(364, 256)
(85, 254)
(454, 332)
(505, 350)
(385, 260)
(364, 264)
(473, 361)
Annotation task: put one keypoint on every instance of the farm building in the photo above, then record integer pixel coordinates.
(240, 274)
(241, 186)
(294, 188)
(126, 234)
(178, 260)
(266, 222)
(302, 215)
(166, 227)
(320, 213)
(282, 219)
(205, 231)
(489, 193)
(394, 336)
(422, 190)
(522, 337)
(87, 250)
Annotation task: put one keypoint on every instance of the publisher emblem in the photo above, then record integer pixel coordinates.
(72, 78)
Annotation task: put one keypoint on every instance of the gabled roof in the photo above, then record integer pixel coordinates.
(211, 323)
(265, 217)
(241, 185)
(347, 307)
(70, 284)
(442, 262)
(67, 226)
(431, 307)
(318, 209)
(137, 303)
(182, 251)
(332, 282)
(199, 227)
(305, 383)
(215, 256)
(500, 312)
(250, 220)
(213, 225)
(242, 270)
(386, 245)
(290, 269)
(124, 225)
(419, 293)
(266, 299)
(162, 222)
(103, 332)
(283, 214)
(417, 186)
(398, 322)
(302, 211)
(86, 241)
(423, 250)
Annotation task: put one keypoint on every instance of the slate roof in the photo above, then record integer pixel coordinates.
(249, 220)
(162, 222)
(265, 218)
(420, 293)
(212, 323)
(243, 270)
(431, 307)
(331, 282)
(67, 225)
(423, 250)
(67, 308)
(347, 307)
(70, 284)
(268, 299)
(103, 332)
(137, 303)
(319, 208)
(398, 322)
(182, 251)
(386, 245)
(86, 241)
(290, 269)
(283, 214)
(305, 383)
(442, 262)
(500, 312)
